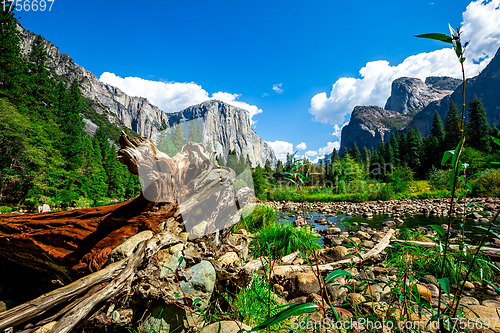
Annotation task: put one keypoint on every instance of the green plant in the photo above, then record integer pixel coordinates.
(256, 217)
(284, 239)
(487, 184)
(458, 172)
(439, 179)
(413, 235)
(5, 209)
(251, 303)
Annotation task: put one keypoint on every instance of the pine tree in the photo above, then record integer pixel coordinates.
(41, 85)
(327, 165)
(13, 68)
(451, 128)
(194, 131)
(94, 176)
(335, 156)
(165, 145)
(414, 149)
(437, 129)
(355, 153)
(395, 138)
(344, 152)
(477, 129)
(177, 137)
(366, 157)
(102, 140)
(72, 125)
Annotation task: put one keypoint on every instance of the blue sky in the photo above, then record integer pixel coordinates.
(237, 51)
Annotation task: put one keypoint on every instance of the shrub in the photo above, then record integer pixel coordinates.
(487, 184)
(400, 178)
(439, 179)
(284, 239)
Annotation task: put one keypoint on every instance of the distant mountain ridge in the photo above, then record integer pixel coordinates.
(226, 127)
(486, 86)
(413, 103)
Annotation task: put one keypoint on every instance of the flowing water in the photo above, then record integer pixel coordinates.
(472, 233)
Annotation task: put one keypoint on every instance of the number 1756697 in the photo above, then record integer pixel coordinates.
(28, 5)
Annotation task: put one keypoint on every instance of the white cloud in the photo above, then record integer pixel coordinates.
(232, 100)
(169, 97)
(281, 148)
(337, 131)
(301, 146)
(481, 25)
(277, 88)
(173, 96)
(311, 153)
(329, 148)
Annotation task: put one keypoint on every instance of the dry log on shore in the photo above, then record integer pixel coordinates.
(180, 194)
(470, 248)
(283, 271)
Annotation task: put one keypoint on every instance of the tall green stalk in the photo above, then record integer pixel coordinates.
(457, 165)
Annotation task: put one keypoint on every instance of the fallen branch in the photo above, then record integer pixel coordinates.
(487, 250)
(282, 271)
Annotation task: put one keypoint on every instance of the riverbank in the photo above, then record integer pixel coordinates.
(397, 208)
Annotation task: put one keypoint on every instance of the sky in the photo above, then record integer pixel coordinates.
(298, 67)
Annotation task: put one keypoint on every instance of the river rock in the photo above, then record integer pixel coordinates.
(198, 230)
(491, 303)
(424, 292)
(125, 249)
(368, 244)
(337, 253)
(363, 235)
(467, 300)
(485, 313)
(379, 309)
(227, 326)
(330, 231)
(433, 289)
(307, 283)
(389, 223)
(430, 278)
(469, 285)
(355, 298)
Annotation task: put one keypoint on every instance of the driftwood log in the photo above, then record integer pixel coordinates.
(281, 272)
(189, 192)
(491, 251)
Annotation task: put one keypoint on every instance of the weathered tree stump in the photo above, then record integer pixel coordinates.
(190, 190)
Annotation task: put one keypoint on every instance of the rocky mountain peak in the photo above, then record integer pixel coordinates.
(411, 95)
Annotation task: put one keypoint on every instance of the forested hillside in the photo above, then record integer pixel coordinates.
(45, 155)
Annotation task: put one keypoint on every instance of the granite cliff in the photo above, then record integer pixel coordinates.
(371, 124)
(486, 86)
(224, 126)
(411, 95)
